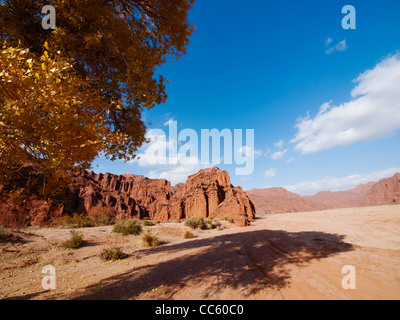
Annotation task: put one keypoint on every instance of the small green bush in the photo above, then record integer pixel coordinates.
(150, 240)
(188, 235)
(149, 223)
(202, 223)
(75, 241)
(229, 219)
(102, 217)
(128, 226)
(199, 223)
(74, 221)
(216, 224)
(112, 254)
(192, 223)
(207, 224)
(4, 236)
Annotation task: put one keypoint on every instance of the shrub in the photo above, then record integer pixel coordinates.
(112, 254)
(207, 224)
(150, 240)
(102, 217)
(149, 223)
(4, 236)
(74, 221)
(192, 223)
(74, 242)
(216, 224)
(188, 235)
(201, 223)
(128, 226)
(229, 219)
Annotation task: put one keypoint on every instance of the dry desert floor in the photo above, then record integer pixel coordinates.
(281, 256)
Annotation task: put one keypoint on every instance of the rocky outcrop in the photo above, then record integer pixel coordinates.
(384, 192)
(32, 213)
(124, 195)
(208, 193)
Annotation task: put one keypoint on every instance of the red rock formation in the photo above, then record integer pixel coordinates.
(125, 195)
(208, 193)
(34, 213)
(384, 192)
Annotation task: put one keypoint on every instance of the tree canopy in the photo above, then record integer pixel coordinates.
(71, 93)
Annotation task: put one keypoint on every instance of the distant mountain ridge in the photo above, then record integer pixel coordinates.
(340, 199)
(280, 200)
(276, 200)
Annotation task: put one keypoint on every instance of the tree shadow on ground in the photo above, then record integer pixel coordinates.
(247, 262)
(32, 296)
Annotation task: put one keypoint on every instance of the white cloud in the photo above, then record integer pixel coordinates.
(279, 144)
(290, 160)
(341, 46)
(330, 50)
(340, 184)
(278, 155)
(270, 173)
(176, 174)
(246, 151)
(149, 154)
(246, 179)
(176, 168)
(328, 42)
(258, 153)
(266, 153)
(373, 112)
(167, 123)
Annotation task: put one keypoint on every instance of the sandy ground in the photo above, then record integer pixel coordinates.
(281, 256)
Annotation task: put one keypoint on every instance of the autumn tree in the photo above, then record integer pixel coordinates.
(49, 116)
(81, 88)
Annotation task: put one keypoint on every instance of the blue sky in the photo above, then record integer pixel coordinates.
(267, 66)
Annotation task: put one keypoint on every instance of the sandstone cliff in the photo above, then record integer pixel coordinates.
(384, 192)
(208, 193)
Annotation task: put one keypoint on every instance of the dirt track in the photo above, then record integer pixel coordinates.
(283, 256)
